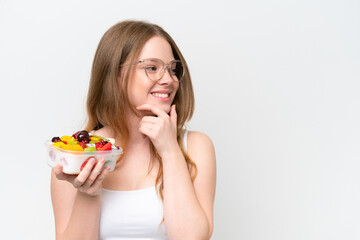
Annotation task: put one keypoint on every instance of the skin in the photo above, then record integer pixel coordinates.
(140, 87)
(188, 207)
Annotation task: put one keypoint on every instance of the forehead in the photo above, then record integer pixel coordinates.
(157, 47)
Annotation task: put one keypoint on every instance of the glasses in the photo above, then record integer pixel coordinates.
(155, 69)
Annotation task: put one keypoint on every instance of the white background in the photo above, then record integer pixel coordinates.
(277, 90)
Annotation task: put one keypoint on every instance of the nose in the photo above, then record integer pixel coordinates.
(166, 79)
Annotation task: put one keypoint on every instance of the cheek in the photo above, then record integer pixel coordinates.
(138, 91)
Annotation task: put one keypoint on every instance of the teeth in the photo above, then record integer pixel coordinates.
(162, 95)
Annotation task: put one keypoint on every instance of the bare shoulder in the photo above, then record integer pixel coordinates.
(199, 142)
(202, 151)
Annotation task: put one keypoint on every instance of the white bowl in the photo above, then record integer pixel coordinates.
(73, 160)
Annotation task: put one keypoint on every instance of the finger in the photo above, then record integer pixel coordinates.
(94, 173)
(62, 176)
(84, 174)
(149, 119)
(97, 183)
(58, 170)
(147, 129)
(152, 108)
(173, 115)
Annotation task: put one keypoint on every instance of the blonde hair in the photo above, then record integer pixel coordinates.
(108, 98)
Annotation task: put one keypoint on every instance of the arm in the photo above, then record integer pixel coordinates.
(76, 201)
(188, 207)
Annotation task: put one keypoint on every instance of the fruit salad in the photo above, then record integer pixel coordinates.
(83, 141)
(73, 152)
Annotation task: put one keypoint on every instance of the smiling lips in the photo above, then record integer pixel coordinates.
(163, 96)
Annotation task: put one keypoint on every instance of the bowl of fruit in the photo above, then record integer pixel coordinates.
(73, 152)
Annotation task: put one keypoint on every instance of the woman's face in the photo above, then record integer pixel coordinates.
(143, 90)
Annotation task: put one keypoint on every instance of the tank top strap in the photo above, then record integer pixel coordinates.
(185, 139)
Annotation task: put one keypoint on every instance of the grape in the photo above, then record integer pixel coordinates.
(56, 139)
(82, 136)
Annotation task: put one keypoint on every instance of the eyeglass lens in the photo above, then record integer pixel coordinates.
(155, 69)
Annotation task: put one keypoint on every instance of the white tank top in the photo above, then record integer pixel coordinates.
(132, 215)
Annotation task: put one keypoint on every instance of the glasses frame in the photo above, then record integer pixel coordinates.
(164, 66)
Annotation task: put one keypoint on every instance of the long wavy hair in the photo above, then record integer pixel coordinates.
(108, 97)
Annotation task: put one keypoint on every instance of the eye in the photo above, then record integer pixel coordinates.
(151, 68)
(174, 71)
(175, 68)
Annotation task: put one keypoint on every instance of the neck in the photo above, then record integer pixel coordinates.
(136, 139)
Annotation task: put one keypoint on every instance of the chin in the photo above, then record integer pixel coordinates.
(163, 106)
(166, 108)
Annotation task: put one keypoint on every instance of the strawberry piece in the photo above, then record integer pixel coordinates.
(98, 145)
(106, 147)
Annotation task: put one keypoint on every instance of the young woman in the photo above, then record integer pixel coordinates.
(163, 186)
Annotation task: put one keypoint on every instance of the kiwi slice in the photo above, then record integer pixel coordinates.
(96, 136)
(90, 149)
